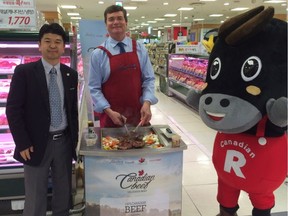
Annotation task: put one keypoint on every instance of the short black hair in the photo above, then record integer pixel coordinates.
(53, 28)
(113, 9)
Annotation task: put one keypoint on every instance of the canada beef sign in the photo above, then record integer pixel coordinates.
(134, 186)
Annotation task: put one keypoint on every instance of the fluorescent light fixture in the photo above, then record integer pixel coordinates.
(139, 0)
(165, 3)
(170, 15)
(175, 24)
(101, 2)
(144, 24)
(239, 9)
(207, 0)
(198, 19)
(130, 7)
(160, 28)
(216, 15)
(159, 19)
(143, 17)
(178, 58)
(152, 21)
(73, 14)
(185, 17)
(68, 6)
(226, 3)
(24, 46)
(185, 8)
(75, 18)
(167, 26)
(274, 1)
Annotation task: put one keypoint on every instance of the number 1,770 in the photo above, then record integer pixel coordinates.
(19, 20)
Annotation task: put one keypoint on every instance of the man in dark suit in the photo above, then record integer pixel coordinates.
(45, 138)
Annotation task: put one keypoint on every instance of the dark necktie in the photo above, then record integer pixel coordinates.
(55, 99)
(121, 45)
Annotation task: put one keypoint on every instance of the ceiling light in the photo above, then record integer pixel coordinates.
(73, 14)
(170, 15)
(274, 1)
(240, 9)
(101, 2)
(151, 21)
(68, 6)
(198, 19)
(175, 24)
(207, 0)
(130, 7)
(185, 8)
(165, 3)
(227, 3)
(75, 18)
(139, 0)
(159, 19)
(216, 15)
(167, 26)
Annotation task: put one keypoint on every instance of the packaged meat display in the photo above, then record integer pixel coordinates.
(8, 63)
(64, 59)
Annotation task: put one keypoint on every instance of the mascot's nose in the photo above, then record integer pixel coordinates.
(223, 102)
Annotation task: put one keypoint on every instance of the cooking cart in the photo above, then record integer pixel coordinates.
(139, 181)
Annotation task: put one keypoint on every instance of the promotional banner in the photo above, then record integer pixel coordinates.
(134, 186)
(92, 33)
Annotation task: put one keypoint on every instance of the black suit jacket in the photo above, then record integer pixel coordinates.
(28, 110)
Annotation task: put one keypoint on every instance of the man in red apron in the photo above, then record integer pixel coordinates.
(121, 78)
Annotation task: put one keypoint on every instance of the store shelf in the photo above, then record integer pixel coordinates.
(186, 72)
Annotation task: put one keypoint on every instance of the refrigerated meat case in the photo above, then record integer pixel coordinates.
(17, 48)
(185, 72)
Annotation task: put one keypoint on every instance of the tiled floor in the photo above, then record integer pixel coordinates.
(199, 177)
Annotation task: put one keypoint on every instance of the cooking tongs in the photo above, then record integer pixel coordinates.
(136, 128)
(125, 125)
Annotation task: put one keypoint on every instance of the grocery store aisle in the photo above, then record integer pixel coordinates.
(199, 177)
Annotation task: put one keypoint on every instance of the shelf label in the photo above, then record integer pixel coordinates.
(17, 14)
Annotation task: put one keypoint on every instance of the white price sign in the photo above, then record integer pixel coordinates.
(17, 14)
(17, 18)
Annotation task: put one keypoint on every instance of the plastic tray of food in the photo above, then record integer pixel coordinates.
(118, 139)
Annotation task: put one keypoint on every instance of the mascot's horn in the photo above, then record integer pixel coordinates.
(244, 26)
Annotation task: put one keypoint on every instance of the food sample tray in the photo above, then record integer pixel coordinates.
(113, 138)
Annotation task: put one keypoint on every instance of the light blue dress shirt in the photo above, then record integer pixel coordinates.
(99, 72)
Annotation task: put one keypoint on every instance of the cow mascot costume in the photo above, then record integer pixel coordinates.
(245, 100)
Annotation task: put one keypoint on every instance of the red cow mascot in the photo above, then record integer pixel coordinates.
(245, 100)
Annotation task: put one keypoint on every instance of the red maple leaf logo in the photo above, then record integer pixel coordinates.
(140, 172)
(141, 160)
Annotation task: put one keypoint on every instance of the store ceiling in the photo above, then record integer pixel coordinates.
(153, 9)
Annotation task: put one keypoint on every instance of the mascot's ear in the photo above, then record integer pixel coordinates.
(277, 111)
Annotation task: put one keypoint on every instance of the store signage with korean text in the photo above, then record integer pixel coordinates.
(17, 14)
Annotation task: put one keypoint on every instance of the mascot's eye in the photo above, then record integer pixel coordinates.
(251, 68)
(215, 68)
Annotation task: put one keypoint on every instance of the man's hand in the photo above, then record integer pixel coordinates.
(116, 117)
(145, 112)
(25, 154)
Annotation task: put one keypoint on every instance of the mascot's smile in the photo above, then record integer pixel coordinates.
(215, 116)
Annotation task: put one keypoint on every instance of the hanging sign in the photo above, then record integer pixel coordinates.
(17, 14)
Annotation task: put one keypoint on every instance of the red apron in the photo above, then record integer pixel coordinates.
(123, 88)
(255, 164)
